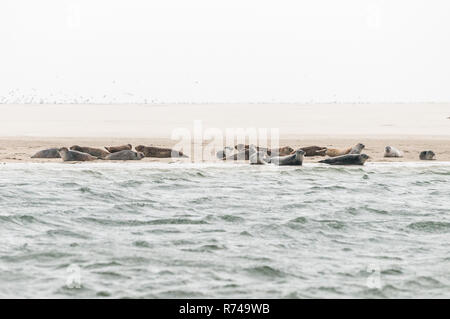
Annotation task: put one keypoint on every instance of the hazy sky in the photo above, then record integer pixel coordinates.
(104, 51)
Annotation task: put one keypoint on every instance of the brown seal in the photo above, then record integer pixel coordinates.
(333, 152)
(282, 151)
(114, 149)
(314, 150)
(97, 152)
(152, 151)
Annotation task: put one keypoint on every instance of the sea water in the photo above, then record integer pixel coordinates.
(155, 230)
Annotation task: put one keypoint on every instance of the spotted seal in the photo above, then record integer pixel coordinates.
(125, 155)
(97, 152)
(48, 153)
(390, 151)
(348, 159)
(75, 156)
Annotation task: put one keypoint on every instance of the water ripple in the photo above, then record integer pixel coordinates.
(179, 230)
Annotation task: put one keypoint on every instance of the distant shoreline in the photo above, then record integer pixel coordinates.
(412, 128)
(292, 120)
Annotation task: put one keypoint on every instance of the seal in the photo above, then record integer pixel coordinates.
(333, 152)
(390, 151)
(241, 147)
(427, 155)
(114, 149)
(97, 152)
(227, 150)
(281, 151)
(125, 155)
(257, 157)
(314, 150)
(357, 148)
(48, 153)
(243, 155)
(75, 156)
(293, 159)
(348, 159)
(151, 151)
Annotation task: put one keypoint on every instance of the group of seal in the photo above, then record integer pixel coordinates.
(113, 153)
(256, 155)
(260, 157)
(288, 156)
(348, 156)
(390, 151)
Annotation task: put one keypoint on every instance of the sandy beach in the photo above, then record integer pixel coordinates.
(412, 128)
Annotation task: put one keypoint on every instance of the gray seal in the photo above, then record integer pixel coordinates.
(227, 150)
(357, 148)
(97, 152)
(125, 155)
(257, 157)
(349, 159)
(153, 151)
(281, 151)
(115, 149)
(48, 153)
(427, 155)
(75, 156)
(293, 159)
(242, 155)
(390, 151)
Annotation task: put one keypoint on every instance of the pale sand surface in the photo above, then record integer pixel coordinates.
(25, 129)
